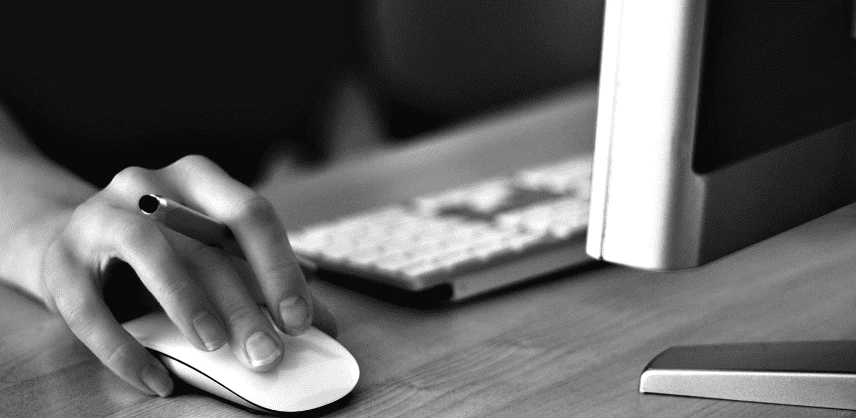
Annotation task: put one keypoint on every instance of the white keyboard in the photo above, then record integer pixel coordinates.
(474, 238)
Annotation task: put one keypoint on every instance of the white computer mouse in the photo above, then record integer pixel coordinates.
(315, 370)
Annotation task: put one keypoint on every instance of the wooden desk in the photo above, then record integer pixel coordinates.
(570, 346)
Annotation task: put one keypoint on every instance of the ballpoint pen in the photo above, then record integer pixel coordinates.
(201, 227)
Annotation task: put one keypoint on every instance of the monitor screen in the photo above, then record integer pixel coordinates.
(772, 72)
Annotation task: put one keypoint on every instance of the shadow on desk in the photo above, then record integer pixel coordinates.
(182, 389)
(439, 297)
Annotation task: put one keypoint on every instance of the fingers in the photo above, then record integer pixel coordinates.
(87, 316)
(141, 243)
(198, 286)
(322, 318)
(201, 184)
(128, 185)
(205, 186)
(252, 337)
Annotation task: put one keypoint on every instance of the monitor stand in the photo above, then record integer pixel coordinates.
(813, 373)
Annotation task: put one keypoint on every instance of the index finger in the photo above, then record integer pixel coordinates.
(258, 229)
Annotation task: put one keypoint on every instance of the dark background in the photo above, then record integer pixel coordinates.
(100, 89)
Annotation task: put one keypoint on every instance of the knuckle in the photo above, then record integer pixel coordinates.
(190, 162)
(241, 313)
(128, 176)
(88, 213)
(77, 311)
(279, 274)
(89, 222)
(176, 291)
(256, 210)
(118, 357)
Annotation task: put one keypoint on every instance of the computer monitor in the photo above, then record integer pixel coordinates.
(721, 123)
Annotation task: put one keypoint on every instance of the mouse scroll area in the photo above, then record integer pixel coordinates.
(315, 370)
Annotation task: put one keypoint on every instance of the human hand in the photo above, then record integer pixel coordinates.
(209, 296)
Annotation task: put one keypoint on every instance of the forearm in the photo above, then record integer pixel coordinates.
(36, 196)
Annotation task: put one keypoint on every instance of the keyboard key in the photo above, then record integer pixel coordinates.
(421, 269)
(393, 263)
(488, 250)
(523, 241)
(467, 227)
(363, 257)
(562, 231)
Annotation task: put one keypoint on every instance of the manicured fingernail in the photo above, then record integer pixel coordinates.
(294, 312)
(261, 349)
(210, 331)
(157, 379)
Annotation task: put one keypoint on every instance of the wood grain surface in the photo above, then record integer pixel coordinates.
(572, 344)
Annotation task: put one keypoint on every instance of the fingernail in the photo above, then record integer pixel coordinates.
(294, 312)
(157, 379)
(261, 349)
(209, 331)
